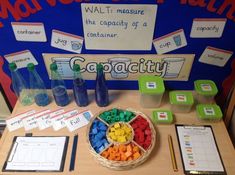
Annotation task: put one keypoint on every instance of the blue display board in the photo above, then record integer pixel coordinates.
(172, 15)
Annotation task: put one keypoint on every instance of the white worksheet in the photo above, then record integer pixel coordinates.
(199, 150)
(37, 154)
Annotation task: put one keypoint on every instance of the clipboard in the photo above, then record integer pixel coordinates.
(199, 150)
(37, 154)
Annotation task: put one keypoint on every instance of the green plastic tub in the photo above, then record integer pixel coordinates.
(181, 101)
(206, 91)
(162, 116)
(209, 112)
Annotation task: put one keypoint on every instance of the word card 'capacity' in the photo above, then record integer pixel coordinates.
(119, 26)
(208, 27)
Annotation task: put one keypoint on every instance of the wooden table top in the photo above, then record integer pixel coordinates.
(159, 162)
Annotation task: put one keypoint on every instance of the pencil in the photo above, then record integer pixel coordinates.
(173, 160)
(73, 153)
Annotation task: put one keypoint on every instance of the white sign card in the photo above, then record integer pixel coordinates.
(29, 31)
(21, 58)
(208, 27)
(15, 122)
(44, 121)
(123, 66)
(118, 26)
(66, 41)
(30, 122)
(215, 56)
(77, 121)
(170, 42)
(58, 121)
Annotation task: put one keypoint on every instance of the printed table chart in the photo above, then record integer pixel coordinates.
(159, 161)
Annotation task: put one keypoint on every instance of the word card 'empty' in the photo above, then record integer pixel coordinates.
(33, 32)
(16, 122)
(208, 27)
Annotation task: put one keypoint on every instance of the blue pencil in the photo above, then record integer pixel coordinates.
(73, 154)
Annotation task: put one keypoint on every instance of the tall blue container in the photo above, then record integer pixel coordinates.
(101, 89)
(58, 87)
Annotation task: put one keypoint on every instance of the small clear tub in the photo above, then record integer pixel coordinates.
(151, 90)
(181, 101)
(206, 91)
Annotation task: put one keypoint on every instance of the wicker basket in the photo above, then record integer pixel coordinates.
(122, 165)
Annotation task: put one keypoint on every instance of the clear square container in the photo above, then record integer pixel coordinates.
(181, 101)
(151, 90)
(206, 91)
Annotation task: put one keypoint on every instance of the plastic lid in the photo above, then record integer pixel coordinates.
(149, 84)
(12, 66)
(76, 67)
(205, 87)
(209, 111)
(99, 67)
(30, 66)
(53, 66)
(162, 116)
(181, 97)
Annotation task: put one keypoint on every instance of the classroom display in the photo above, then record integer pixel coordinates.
(121, 139)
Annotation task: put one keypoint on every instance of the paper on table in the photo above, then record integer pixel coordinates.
(199, 150)
(36, 154)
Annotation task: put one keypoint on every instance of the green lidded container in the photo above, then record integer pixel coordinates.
(209, 112)
(206, 90)
(162, 116)
(181, 101)
(151, 89)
